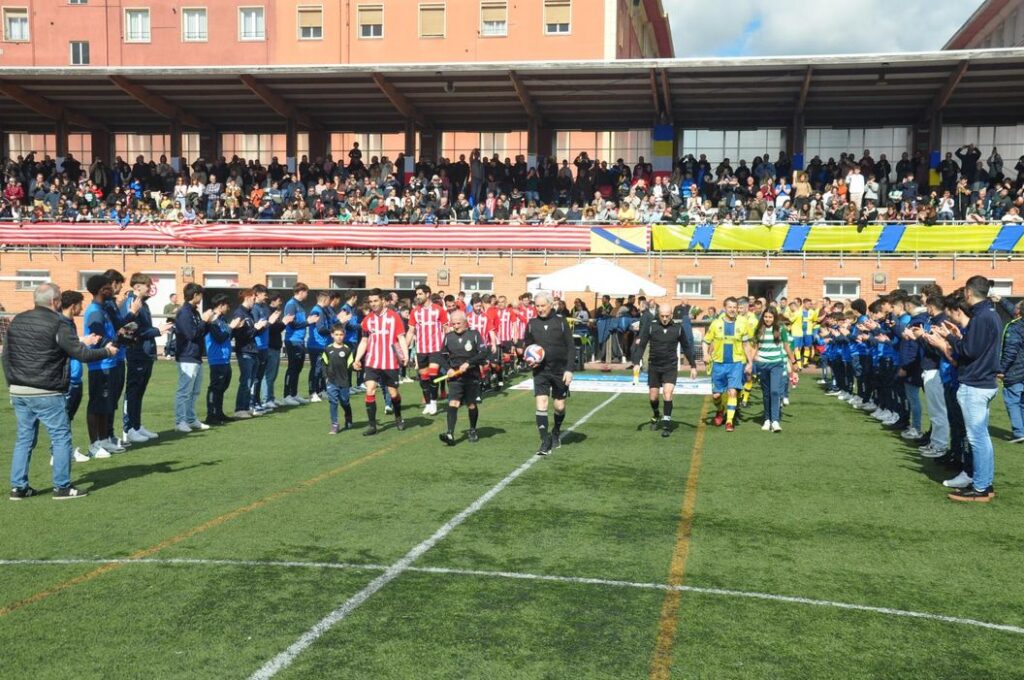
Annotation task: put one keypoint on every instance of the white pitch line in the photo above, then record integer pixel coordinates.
(285, 658)
(577, 580)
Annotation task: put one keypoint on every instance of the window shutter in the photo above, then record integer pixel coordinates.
(371, 16)
(493, 12)
(311, 18)
(556, 12)
(432, 21)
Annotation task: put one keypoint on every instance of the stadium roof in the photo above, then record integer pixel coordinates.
(970, 87)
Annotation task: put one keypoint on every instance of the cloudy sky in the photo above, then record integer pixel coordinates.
(763, 27)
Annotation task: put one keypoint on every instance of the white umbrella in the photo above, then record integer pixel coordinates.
(598, 276)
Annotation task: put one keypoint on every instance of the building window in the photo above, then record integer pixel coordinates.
(79, 53)
(136, 26)
(288, 281)
(1001, 287)
(493, 18)
(371, 21)
(194, 25)
(914, 286)
(78, 2)
(347, 281)
(220, 280)
(16, 24)
(409, 281)
(432, 21)
(251, 24)
(477, 284)
(687, 286)
(311, 23)
(556, 16)
(842, 288)
(28, 279)
(84, 276)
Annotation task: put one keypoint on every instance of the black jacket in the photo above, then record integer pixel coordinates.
(1011, 365)
(666, 341)
(978, 350)
(465, 348)
(39, 344)
(189, 329)
(555, 336)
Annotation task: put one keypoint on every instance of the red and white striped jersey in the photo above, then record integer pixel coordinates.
(382, 332)
(503, 321)
(429, 322)
(526, 312)
(479, 323)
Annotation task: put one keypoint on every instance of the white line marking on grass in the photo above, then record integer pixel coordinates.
(578, 580)
(285, 658)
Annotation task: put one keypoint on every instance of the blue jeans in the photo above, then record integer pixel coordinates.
(52, 412)
(772, 377)
(270, 375)
(974, 404)
(1013, 397)
(246, 372)
(913, 393)
(336, 395)
(190, 383)
(140, 370)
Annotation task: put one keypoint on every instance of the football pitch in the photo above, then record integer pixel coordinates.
(268, 548)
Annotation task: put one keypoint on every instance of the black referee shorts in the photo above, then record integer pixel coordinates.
(546, 383)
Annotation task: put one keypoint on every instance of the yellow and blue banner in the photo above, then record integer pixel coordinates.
(873, 238)
(620, 240)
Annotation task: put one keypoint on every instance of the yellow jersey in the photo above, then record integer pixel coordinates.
(726, 339)
(809, 321)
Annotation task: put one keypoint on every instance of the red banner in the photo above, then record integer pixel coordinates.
(318, 235)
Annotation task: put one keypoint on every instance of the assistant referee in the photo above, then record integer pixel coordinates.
(666, 337)
(551, 377)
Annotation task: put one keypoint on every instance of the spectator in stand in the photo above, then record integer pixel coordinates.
(190, 327)
(37, 349)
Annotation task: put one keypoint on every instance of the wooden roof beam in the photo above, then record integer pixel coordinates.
(158, 104)
(525, 99)
(943, 96)
(48, 109)
(805, 89)
(280, 105)
(666, 92)
(400, 102)
(655, 96)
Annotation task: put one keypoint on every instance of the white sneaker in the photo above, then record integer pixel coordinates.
(182, 427)
(426, 409)
(868, 406)
(301, 400)
(241, 415)
(388, 410)
(880, 414)
(113, 445)
(931, 452)
(315, 398)
(785, 401)
(96, 450)
(136, 437)
(767, 426)
(820, 381)
(290, 401)
(269, 406)
(146, 433)
(80, 457)
(776, 427)
(961, 481)
(911, 433)
(257, 412)
(431, 409)
(891, 420)
(844, 396)
(856, 402)
(198, 425)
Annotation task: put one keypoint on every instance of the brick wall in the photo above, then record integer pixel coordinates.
(729, 276)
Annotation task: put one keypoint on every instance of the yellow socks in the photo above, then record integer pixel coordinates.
(730, 410)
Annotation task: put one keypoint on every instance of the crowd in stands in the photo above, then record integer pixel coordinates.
(764, 191)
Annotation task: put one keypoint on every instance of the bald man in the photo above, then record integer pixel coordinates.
(464, 351)
(666, 338)
(552, 376)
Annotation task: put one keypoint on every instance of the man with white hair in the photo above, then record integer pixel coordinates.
(36, 353)
(464, 351)
(551, 376)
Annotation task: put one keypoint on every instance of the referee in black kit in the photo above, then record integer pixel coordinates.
(464, 352)
(551, 377)
(666, 337)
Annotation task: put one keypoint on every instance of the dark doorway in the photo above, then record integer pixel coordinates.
(769, 289)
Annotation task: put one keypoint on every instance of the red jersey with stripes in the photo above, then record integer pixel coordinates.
(526, 312)
(479, 323)
(429, 322)
(503, 322)
(382, 332)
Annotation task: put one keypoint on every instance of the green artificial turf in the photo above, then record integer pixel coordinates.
(834, 508)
